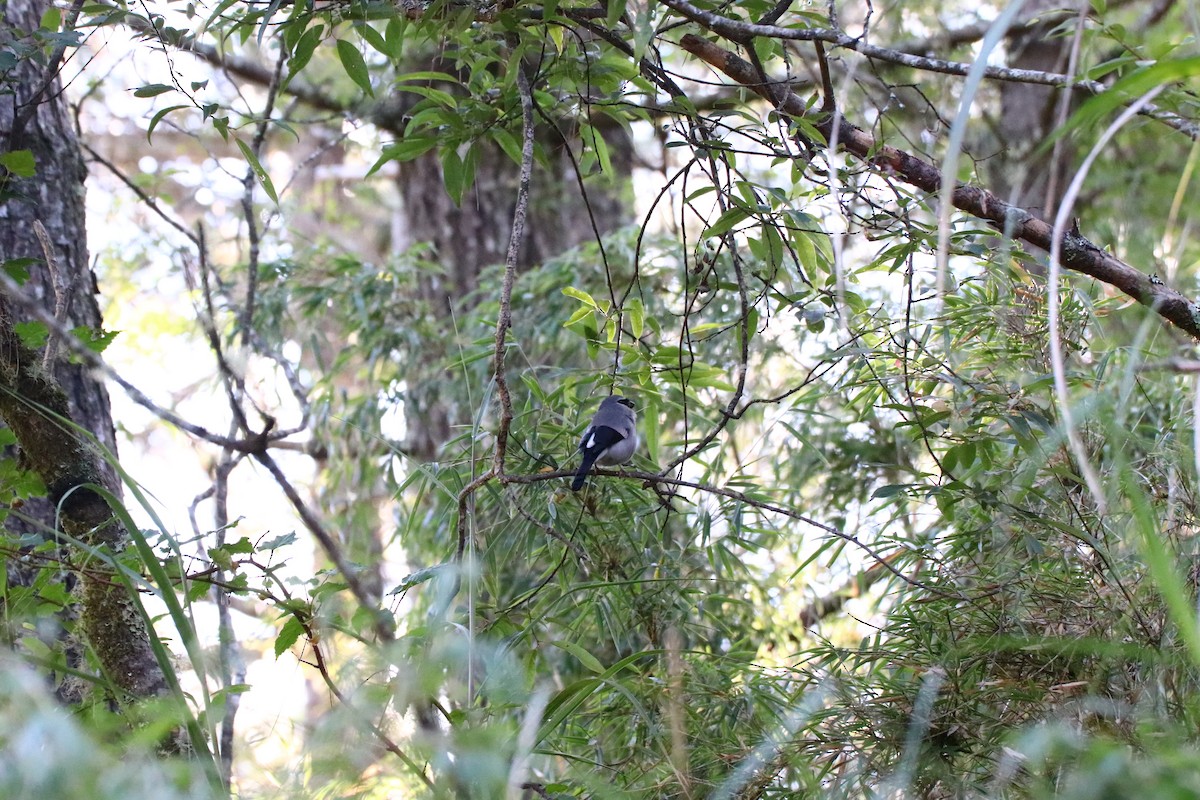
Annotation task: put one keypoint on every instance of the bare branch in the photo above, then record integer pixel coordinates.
(381, 621)
(62, 293)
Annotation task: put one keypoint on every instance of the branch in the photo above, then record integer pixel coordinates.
(66, 338)
(744, 32)
(503, 319)
(1078, 253)
(516, 240)
(381, 622)
(968, 34)
(830, 604)
(956, 37)
(653, 478)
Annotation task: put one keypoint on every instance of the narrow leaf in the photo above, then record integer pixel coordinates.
(263, 178)
(355, 66)
(580, 295)
(453, 174)
(153, 90)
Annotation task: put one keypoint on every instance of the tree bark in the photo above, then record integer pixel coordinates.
(52, 413)
(1025, 176)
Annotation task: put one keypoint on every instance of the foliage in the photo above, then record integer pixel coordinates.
(911, 517)
(47, 753)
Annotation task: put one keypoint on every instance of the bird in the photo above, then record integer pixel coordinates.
(610, 439)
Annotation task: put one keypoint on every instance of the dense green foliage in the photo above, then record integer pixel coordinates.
(863, 550)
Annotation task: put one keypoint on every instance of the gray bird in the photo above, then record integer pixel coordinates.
(610, 439)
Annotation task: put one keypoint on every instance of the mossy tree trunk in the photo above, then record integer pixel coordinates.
(51, 405)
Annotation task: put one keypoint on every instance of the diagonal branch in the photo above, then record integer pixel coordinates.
(1078, 253)
(744, 32)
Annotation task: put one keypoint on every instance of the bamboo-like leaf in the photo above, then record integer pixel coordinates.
(259, 172)
(355, 66)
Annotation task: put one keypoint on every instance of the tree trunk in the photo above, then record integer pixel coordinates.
(1028, 112)
(42, 407)
(467, 238)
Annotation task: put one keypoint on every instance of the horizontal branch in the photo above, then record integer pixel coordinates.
(969, 34)
(670, 482)
(1078, 253)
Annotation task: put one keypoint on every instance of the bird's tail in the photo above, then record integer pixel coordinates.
(581, 475)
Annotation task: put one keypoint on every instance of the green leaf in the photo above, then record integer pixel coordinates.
(51, 20)
(158, 116)
(578, 316)
(96, 340)
(19, 162)
(404, 150)
(588, 660)
(439, 96)
(288, 634)
(725, 222)
(1132, 86)
(153, 90)
(18, 268)
(355, 66)
(263, 178)
(243, 546)
(508, 143)
(220, 557)
(470, 166)
(636, 314)
(428, 75)
(278, 542)
(419, 577)
(596, 148)
(706, 376)
(393, 34)
(375, 39)
(453, 174)
(31, 334)
(305, 49)
(580, 295)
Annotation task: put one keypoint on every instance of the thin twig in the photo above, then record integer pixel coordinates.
(235, 387)
(347, 701)
(30, 305)
(141, 193)
(381, 623)
(256, 146)
(574, 547)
